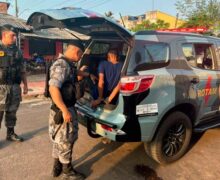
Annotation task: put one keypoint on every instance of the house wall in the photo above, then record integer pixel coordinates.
(152, 16)
(169, 19)
(25, 48)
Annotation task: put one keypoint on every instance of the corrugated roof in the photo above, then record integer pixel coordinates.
(56, 34)
(15, 22)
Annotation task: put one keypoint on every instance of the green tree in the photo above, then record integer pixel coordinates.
(204, 13)
(147, 25)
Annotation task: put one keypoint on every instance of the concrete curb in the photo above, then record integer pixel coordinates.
(35, 90)
(36, 98)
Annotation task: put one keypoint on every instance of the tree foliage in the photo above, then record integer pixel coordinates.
(204, 13)
(147, 25)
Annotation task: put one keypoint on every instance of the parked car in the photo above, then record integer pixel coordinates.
(169, 82)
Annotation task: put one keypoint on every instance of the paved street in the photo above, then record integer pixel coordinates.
(31, 160)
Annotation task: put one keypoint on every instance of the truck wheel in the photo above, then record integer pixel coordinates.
(171, 140)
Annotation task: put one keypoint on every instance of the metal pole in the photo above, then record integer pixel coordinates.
(16, 8)
(177, 18)
(19, 40)
(122, 20)
(152, 5)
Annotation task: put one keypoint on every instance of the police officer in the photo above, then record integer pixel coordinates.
(12, 72)
(64, 134)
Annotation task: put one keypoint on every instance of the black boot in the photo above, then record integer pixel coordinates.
(57, 168)
(70, 174)
(11, 136)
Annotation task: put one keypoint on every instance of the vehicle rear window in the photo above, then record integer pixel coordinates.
(147, 56)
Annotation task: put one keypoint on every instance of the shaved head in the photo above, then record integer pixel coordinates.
(73, 52)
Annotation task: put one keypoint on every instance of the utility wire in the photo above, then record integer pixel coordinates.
(62, 3)
(81, 3)
(89, 3)
(39, 4)
(31, 8)
(85, 2)
(59, 4)
(34, 6)
(104, 2)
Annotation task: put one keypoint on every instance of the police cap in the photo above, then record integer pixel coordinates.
(77, 44)
(8, 27)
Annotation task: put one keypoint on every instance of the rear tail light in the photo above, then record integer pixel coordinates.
(107, 128)
(135, 84)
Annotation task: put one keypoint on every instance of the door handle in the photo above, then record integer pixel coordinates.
(195, 81)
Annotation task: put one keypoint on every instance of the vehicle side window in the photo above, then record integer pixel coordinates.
(199, 55)
(188, 51)
(147, 56)
(155, 53)
(124, 49)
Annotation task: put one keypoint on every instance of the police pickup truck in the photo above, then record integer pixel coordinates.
(169, 86)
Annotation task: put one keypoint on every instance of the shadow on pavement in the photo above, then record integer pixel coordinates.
(106, 149)
(195, 138)
(139, 162)
(27, 136)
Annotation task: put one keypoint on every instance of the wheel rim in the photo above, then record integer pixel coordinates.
(174, 139)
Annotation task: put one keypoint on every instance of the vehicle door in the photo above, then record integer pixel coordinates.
(78, 21)
(203, 92)
(217, 50)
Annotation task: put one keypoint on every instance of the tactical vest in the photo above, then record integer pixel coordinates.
(10, 65)
(68, 89)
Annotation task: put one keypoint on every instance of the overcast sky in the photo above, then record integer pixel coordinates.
(125, 7)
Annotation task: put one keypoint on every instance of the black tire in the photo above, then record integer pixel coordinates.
(171, 140)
